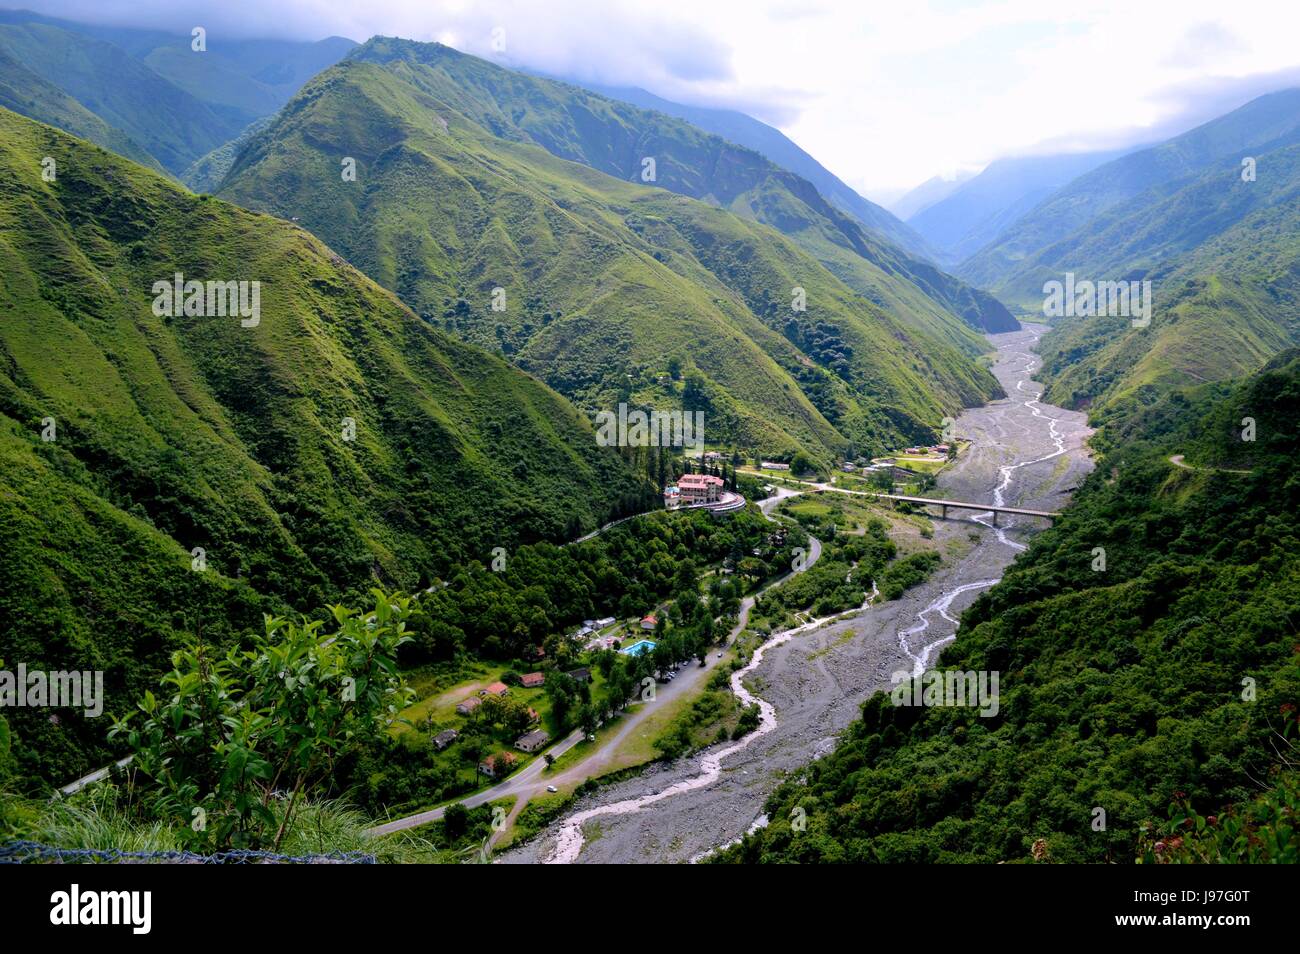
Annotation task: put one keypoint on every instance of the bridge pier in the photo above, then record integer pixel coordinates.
(995, 518)
(944, 511)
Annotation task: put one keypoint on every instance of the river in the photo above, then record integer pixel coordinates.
(811, 681)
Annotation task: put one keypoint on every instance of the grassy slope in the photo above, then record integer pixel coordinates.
(775, 145)
(1007, 267)
(173, 126)
(24, 92)
(1224, 263)
(1119, 687)
(614, 137)
(603, 278)
(182, 432)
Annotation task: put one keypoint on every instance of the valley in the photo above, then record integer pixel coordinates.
(814, 679)
(468, 432)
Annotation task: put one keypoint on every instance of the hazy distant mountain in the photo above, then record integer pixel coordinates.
(775, 145)
(932, 190)
(1008, 265)
(977, 211)
(1223, 259)
(27, 94)
(171, 101)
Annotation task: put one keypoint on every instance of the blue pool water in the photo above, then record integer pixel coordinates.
(639, 647)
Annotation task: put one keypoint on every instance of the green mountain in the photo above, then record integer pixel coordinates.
(776, 146)
(168, 101)
(1166, 675)
(207, 174)
(173, 126)
(609, 286)
(1223, 259)
(1009, 267)
(24, 92)
(616, 138)
(128, 439)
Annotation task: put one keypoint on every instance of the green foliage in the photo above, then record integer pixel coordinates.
(1264, 830)
(606, 282)
(907, 572)
(1173, 670)
(625, 571)
(270, 722)
(177, 433)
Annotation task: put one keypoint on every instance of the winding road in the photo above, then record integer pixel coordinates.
(531, 780)
(810, 681)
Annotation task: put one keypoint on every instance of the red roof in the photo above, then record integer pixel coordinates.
(699, 480)
(531, 679)
(651, 619)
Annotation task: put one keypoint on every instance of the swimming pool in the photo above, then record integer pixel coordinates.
(639, 647)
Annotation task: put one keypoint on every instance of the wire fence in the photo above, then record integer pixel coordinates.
(31, 852)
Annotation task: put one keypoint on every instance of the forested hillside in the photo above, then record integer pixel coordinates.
(174, 474)
(617, 138)
(1166, 673)
(1070, 214)
(610, 291)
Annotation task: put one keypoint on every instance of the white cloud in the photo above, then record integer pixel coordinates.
(884, 94)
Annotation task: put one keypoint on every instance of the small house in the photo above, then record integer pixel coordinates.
(498, 689)
(467, 706)
(531, 680)
(532, 741)
(581, 675)
(444, 739)
(499, 765)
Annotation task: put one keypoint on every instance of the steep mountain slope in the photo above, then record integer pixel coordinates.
(1223, 259)
(207, 174)
(173, 126)
(607, 285)
(978, 211)
(172, 102)
(932, 190)
(774, 145)
(129, 440)
(1122, 688)
(1264, 124)
(24, 92)
(617, 138)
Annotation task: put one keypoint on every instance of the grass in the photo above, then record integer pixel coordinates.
(176, 433)
(605, 280)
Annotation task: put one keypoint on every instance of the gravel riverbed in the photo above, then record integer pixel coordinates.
(1024, 452)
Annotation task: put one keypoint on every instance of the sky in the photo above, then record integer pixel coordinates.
(884, 94)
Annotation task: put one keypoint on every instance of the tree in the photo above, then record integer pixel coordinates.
(236, 732)
(455, 820)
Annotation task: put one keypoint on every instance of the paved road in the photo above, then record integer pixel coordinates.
(529, 781)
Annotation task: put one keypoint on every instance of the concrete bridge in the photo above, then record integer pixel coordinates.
(939, 502)
(958, 504)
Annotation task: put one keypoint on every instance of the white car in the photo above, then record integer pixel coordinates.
(552, 789)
